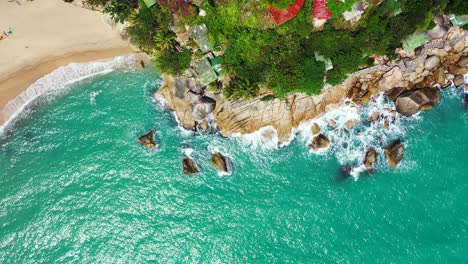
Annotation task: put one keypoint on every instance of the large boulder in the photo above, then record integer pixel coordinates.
(392, 78)
(394, 153)
(189, 166)
(411, 102)
(393, 93)
(458, 80)
(370, 159)
(319, 142)
(220, 162)
(431, 62)
(315, 129)
(463, 62)
(203, 106)
(147, 140)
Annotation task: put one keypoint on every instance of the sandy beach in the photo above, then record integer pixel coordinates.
(48, 34)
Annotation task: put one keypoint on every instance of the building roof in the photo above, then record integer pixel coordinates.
(205, 72)
(320, 10)
(280, 16)
(459, 20)
(414, 41)
(149, 3)
(199, 34)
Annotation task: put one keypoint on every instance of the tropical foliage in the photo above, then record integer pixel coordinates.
(281, 58)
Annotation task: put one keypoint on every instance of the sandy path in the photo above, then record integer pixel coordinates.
(48, 34)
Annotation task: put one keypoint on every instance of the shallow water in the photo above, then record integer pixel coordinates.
(75, 186)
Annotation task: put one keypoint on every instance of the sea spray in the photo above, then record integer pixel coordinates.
(59, 79)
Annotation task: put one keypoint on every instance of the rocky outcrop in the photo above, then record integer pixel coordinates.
(394, 153)
(437, 62)
(319, 142)
(412, 101)
(189, 166)
(409, 103)
(370, 159)
(220, 162)
(202, 107)
(147, 140)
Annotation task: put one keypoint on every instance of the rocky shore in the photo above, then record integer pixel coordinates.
(410, 81)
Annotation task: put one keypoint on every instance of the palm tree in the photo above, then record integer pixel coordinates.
(164, 40)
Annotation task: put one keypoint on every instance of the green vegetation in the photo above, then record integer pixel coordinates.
(280, 58)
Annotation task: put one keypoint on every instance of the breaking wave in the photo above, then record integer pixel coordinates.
(58, 80)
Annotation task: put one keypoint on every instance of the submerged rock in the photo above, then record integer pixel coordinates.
(320, 141)
(147, 140)
(350, 124)
(370, 159)
(220, 162)
(411, 102)
(373, 117)
(315, 129)
(189, 166)
(394, 153)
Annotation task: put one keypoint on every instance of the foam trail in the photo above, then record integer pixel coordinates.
(350, 145)
(265, 138)
(58, 79)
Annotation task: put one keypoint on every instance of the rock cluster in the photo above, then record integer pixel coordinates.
(147, 140)
(189, 166)
(412, 82)
(319, 142)
(394, 153)
(370, 159)
(409, 103)
(220, 162)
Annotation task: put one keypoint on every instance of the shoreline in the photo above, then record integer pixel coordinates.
(14, 84)
(41, 43)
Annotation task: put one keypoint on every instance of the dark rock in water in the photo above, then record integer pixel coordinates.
(147, 140)
(204, 126)
(344, 172)
(409, 103)
(220, 162)
(373, 117)
(458, 80)
(319, 141)
(394, 153)
(370, 159)
(189, 166)
(465, 96)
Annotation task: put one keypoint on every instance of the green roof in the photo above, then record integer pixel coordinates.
(149, 3)
(206, 73)
(215, 61)
(414, 41)
(459, 20)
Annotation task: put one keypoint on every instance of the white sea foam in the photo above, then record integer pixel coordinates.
(264, 138)
(58, 80)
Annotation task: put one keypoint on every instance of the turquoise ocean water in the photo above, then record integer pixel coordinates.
(76, 187)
